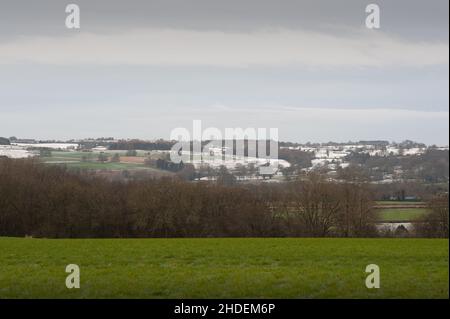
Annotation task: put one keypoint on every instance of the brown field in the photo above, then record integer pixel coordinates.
(132, 159)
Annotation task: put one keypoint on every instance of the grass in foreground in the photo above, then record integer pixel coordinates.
(224, 268)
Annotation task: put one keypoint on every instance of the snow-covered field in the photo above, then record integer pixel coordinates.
(53, 146)
(394, 226)
(12, 151)
(231, 162)
(22, 150)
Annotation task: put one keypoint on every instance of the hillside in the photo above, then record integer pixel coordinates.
(4, 141)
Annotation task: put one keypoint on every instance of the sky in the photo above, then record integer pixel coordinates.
(139, 69)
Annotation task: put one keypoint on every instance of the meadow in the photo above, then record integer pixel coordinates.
(74, 160)
(224, 268)
(400, 211)
(399, 203)
(400, 214)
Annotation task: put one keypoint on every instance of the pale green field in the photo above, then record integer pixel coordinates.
(399, 203)
(400, 214)
(74, 160)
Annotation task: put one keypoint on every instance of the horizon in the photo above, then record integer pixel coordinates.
(114, 138)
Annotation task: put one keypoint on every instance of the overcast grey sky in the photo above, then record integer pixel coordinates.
(142, 68)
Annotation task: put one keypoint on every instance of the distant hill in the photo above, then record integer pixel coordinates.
(4, 141)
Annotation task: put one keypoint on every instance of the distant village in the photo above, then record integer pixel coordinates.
(294, 158)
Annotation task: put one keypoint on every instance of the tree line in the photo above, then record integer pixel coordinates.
(50, 201)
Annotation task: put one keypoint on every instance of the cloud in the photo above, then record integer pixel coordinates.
(174, 47)
(294, 123)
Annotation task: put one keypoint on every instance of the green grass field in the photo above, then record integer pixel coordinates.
(398, 203)
(105, 166)
(400, 214)
(224, 268)
(74, 160)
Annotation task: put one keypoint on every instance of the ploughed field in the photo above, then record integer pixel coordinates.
(224, 268)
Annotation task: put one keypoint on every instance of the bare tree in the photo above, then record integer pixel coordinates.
(435, 223)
